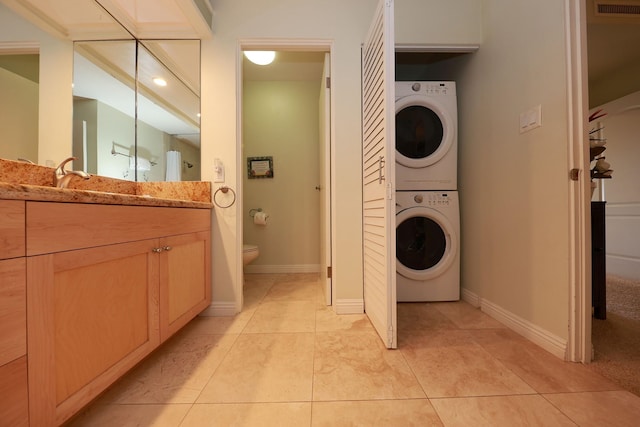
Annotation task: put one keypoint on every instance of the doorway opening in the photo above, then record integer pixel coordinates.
(285, 162)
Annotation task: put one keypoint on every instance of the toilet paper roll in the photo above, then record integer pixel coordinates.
(260, 218)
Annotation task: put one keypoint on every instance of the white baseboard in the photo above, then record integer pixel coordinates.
(220, 309)
(623, 233)
(470, 297)
(349, 306)
(623, 266)
(545, 339)
(280, 269)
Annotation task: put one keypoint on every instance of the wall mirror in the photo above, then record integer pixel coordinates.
(19, 85)
(136, 109)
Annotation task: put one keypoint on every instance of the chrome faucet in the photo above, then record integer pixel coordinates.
(62, 177)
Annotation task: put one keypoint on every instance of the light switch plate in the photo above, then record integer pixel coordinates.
(218, 170)
(531, 119)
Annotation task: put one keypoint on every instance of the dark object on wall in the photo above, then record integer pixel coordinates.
(260, 167)
(598, 261)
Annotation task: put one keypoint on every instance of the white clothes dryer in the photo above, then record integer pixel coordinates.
(426, 136)
(427, 246)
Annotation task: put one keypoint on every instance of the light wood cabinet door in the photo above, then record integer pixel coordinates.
(12, 232)
(92, 315)
(185, 280)
(13, 309)
(14, 404)
(13, 343)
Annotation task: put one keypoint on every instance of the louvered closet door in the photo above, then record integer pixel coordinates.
(378, 180)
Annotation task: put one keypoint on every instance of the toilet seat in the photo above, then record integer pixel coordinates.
(249, 248)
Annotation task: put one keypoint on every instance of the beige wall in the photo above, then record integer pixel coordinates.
(280, 119)
(451, 22)
(513, 187)
(18, 117)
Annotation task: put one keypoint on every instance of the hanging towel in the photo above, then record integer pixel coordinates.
(174, 162)
(144, 164)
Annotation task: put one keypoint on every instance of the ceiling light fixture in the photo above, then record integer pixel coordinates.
(159, 81)
(260, 57)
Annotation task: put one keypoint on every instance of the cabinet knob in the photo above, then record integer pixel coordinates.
(166, 248)
(156, 250)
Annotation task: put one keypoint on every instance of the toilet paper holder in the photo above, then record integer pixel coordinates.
(252, 212)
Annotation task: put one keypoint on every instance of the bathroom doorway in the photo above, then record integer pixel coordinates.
(286, 161)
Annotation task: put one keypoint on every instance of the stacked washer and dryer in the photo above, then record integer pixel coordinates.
(427, 209)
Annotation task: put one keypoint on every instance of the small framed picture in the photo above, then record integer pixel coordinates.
(260, 167)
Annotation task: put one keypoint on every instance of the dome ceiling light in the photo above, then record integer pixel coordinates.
(260, 57)
(159, 81)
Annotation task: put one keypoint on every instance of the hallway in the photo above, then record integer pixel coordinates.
(288, 360)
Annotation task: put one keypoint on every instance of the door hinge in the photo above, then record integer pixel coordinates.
(328, 82)
(574, 174)
(329, 272)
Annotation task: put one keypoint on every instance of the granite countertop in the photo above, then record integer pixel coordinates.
(72, 195)
(22, 181)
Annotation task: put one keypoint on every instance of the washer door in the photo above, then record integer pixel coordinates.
(425, 243)
(424, 131)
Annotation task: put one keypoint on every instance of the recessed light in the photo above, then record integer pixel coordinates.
(159, 81)
(260, 57)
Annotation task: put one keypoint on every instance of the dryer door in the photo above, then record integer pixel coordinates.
(425, 131)
(425, 243)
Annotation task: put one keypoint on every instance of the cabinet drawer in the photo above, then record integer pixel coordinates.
(14, 406)
(13, 308)
(57, 227)
(12, 243)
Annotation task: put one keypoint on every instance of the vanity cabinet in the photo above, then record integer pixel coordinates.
(14, 408)
(105, 285)
(184, 266)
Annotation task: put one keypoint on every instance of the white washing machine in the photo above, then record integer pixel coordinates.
(426, 136)
(427, 246)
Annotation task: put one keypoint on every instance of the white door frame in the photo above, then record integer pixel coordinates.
(579, 340)
(301, 45)
(324, 188)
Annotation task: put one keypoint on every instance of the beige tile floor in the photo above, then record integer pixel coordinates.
(287, 360)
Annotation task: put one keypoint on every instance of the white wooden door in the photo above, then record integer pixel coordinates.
(325, 178)
(378, 179)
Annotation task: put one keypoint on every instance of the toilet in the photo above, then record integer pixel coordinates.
(249, 253)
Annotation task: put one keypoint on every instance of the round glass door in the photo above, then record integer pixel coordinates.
(420, 243)
(425, 243)
(418, 132)
(424, 132)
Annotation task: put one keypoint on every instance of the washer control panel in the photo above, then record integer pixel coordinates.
(432, 199)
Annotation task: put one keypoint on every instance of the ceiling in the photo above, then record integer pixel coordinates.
(118, 19)
(611, 47)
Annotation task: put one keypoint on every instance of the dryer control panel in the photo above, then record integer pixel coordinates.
(433, 88)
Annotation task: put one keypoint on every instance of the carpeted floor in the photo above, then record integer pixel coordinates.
(616, 340)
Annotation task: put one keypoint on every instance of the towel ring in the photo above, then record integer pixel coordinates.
(224, 190)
